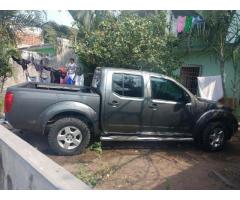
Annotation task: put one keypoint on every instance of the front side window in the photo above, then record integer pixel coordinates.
(164, 89)
(127, 85)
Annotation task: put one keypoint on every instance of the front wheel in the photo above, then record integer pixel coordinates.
(214, 137)
(68, 136)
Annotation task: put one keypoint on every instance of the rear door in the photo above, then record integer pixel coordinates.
(124, 104)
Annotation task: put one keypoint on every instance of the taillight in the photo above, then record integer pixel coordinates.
(8, 102)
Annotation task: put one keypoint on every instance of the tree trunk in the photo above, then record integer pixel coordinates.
(235, 82)
(222, 63)
(2, 82)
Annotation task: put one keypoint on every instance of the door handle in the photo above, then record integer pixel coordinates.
(113, 103)
(153, 106)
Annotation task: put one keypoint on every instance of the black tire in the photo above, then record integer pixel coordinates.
(60, 125)
(213, 130)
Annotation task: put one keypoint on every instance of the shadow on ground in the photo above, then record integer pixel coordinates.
(151, 165)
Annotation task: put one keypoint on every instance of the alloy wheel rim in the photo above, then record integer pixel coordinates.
(69, 137)
(216, 137)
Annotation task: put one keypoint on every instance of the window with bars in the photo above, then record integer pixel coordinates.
(188, 75)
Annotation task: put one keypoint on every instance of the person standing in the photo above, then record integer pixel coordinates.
(24, 64)
(79, 77)
(43, 71)
(71, 72)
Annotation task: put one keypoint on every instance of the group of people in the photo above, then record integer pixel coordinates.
(70, 74)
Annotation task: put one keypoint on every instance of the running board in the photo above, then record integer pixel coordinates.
(136, 138)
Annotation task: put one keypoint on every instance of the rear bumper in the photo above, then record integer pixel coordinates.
(4, 122)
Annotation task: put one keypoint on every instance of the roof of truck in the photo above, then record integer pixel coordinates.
(125, 70)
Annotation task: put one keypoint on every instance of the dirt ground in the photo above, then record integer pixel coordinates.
(151, 165)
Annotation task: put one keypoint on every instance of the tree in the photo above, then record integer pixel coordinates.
(50, 33)
(236, 67)
(130, 41)
(11, 22)
(220, 32)
(5, 68)
(88, 20)
(52, 30)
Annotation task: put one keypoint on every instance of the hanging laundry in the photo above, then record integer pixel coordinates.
(198, 23)
(210, 87)
(195, 20)
(181, 23)
(188, 24)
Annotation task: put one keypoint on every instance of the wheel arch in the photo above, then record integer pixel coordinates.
(220, 115)
(66, 109)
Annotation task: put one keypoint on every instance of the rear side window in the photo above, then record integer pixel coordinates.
(127, 85)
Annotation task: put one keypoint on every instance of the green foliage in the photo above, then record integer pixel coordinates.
(221, 31)
(87, 177)
(50, 33)
(167, 184)
(88, 20)
(91, 177)
(97, 147)
(12, 21)
(1, 105)
(131, 41)
(52, 30)
(5, 68)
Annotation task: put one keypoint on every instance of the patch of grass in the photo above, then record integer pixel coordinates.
(93, 178)
(167, 185)
(97, 147)
(87, 176)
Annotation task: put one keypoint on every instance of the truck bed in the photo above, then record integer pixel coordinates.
(33, 100)
(54, 86)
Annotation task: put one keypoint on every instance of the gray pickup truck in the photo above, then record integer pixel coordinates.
(120, 105)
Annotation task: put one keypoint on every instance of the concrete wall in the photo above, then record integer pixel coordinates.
(24, 167)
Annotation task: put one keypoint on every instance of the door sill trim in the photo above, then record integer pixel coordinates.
(137, 138)
(150, 134)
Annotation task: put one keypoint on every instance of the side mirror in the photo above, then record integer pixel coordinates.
(186, 99)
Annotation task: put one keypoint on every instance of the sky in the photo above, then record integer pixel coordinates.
(61, 17)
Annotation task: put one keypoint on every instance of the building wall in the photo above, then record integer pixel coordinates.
(29, 37)
(210, 67)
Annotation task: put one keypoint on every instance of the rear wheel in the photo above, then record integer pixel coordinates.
(68, 136)
(214, 136)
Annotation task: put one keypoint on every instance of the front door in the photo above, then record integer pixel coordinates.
(124, 106)
(170, 106)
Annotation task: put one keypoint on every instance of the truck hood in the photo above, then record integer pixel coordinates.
(209, 104)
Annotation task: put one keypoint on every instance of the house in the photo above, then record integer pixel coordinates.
(197, 62)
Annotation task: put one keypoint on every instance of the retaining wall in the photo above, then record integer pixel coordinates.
(24, 167)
